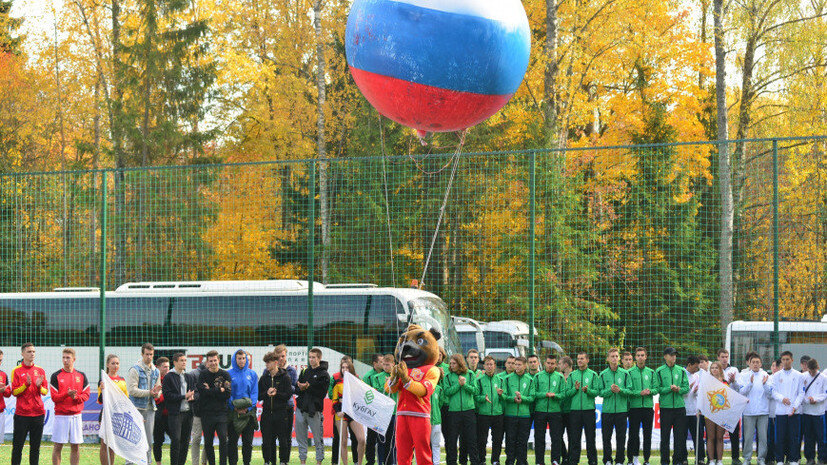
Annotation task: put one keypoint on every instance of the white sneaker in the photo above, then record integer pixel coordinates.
(635, 461)
(779, 463)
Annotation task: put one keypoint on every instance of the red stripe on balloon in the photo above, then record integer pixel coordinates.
(426, 108)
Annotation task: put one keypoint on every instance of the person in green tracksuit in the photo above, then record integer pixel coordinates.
(387, 445)
(549, 393)
(442, 363)
(641, 408)
(617, 388)
(372, 437)
(459, 389)
(489, 411)
(673, 383)
(436, 422)
(472, 359)
(518, 395)
(565, 366)
(583, 386)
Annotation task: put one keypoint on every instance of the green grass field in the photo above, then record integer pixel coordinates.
(89, 456)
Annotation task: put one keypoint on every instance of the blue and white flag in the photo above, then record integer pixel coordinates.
(720, 403)
(366, 405)
(122, 426)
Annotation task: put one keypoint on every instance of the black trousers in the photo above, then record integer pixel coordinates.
(370, 448)
(32, 426)
(614, 422)
(387, 445)
(554, 423)
(516, 440)
(158, 432)
(334, 458)
(735, 443)
(493, 423)
(580, 421)
(213, 426)
(695, 426)
(463, 451)
(640, 418)
(179, 426)
(246, 443)
(277, 426)
(462, 426)
(770, 441)
(672, 422)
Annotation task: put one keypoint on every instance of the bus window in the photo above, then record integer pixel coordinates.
(133, 321)
(381, 327)
(70, 322)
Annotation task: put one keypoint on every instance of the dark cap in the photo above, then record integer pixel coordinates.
(670, 351)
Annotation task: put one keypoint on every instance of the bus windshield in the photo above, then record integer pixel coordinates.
(435, 308)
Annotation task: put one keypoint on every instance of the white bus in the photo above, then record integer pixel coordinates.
(799, 337)
(196, 317)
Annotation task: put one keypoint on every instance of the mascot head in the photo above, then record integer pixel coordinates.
(418, 347)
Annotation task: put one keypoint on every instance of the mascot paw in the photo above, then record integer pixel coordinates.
(402, 372)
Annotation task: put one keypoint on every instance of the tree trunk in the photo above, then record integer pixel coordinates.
(704, 13)
(66, 225)
(724, 176)
(550, 84)
(321, 153)
(117, 146)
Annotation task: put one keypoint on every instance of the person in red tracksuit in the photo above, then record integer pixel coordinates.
(28, 384)
(5, 391)
(70, 390)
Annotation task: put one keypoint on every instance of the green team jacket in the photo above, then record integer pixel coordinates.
(615, 402)
(583, 400)
(460, 398)
(666, 377)
(641, 380)
(514, 383)
(378, 383)
(487, 386)
(546, 382)
(436, 402)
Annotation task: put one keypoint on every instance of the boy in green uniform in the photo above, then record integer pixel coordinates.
(518, 395)
(549, 387)
(370, 443)
(615, 392)
(673, 383)
(387, 445)
(641, 408)
(489, 411)
(583, 386)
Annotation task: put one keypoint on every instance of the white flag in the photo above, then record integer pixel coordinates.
(122, 426)
(719, 403)
(366, 405)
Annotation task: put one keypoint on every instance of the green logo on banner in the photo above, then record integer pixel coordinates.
(369, 397)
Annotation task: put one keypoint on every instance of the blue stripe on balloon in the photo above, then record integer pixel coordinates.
(436, 48)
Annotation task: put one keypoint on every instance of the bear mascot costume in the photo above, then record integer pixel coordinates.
(414, 378)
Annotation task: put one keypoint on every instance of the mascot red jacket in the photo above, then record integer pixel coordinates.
(414, 378)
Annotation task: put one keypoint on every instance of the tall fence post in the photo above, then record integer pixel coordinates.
(531, 259)
(102, 279)
(311, 232)
(775, 338)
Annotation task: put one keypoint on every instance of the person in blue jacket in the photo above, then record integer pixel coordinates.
(244, 386)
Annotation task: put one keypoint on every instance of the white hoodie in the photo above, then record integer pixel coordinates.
(817, 390)
(756, 391)
(787, 384)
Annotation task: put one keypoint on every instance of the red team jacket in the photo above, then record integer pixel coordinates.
(4, 379)
(60, 384)
(29, 402)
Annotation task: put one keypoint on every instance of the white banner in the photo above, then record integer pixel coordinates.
(719, 403)
(122, 426)
(366, 405)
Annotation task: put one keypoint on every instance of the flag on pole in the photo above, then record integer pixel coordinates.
(719, 403)
(366, 405)
(122, 426)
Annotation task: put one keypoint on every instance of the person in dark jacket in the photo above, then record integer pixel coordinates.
(313, 382)
(179, 390)
(197, 429)
(275, 388)
(214, 387)
(244, 386)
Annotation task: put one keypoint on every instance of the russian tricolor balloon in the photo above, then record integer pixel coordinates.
(438, 65)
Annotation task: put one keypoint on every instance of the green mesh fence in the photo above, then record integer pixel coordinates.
(625, 253)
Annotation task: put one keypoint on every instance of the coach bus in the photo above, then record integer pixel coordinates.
(799, 337)
(196, 317)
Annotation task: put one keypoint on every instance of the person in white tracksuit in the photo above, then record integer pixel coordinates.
(788, 392)
(754, 385)
(812, 412)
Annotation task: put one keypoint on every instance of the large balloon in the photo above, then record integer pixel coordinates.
(438, 65)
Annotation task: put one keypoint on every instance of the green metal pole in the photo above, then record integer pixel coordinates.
(531, 259)
(775, 338)
(311, 226)
(102, 280)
